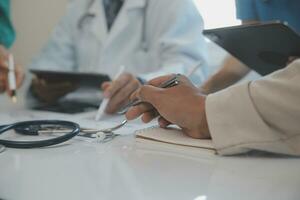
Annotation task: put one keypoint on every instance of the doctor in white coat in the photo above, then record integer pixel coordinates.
(149, 37)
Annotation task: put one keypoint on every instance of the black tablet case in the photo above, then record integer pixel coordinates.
(92, 80)
(83, 79)
(264, 48)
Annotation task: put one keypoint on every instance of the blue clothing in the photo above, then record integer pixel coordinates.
(270, 10)
(7, 32)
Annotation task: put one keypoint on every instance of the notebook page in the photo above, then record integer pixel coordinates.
(172, 136)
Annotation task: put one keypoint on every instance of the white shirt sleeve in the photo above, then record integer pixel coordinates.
(259, 115)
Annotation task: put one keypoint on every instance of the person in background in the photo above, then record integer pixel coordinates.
(98, 36)
(251, 12)
(257, 115)
(7, 37)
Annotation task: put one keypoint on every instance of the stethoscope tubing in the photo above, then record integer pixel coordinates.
(42, 143)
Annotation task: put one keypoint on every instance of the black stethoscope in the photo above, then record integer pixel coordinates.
(32, 128)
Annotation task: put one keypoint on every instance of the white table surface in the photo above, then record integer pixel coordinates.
(126, 169)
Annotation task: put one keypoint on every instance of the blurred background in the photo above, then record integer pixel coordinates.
(34, 21)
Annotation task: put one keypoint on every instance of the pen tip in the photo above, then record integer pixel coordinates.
(14, 99)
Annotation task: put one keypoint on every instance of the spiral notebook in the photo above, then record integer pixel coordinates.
(173, 136)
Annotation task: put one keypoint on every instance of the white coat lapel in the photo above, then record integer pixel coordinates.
(98, 26)
(122, 19)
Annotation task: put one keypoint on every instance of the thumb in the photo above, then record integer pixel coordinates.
(3, 65)
(149, 94)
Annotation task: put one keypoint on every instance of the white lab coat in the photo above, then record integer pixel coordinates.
(167, 39)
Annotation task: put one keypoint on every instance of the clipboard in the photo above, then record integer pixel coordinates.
(264, 48)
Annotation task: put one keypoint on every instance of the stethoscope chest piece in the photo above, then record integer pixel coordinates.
(2, 148)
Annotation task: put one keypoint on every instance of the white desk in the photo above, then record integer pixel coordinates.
(124, 169)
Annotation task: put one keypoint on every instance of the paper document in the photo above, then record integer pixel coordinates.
(86, 95)
(172, 136)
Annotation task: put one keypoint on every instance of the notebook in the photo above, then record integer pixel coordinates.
(173, 136)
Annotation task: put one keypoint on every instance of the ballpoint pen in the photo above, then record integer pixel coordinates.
(103, 105)
(12, 78)
(174, 81)
(169, 83)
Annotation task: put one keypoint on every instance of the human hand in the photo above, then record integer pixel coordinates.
(49, 91)
(4, 72)
(119, 91)
(183, 105)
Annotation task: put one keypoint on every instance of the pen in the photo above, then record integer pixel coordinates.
(194, 69)
(169, 83)
(103, 105)
(12, 78)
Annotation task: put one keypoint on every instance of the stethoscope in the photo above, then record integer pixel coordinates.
(54, 128)
(88, 16)
(32, 128)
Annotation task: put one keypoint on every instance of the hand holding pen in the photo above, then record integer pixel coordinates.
(183, 105)
(107, 98)
(11, 77)
(12, 82)
(168, 83)
(119, 90)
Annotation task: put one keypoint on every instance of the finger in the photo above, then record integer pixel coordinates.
(4, 81)
(105, 85)
(121, 97)
(3, 66)
(117, 85)
(3, 58)
(163, 123)
(2, 84)
(20, 77)
(137, 111)
(149, 94)
(149, 116)
(133, 96)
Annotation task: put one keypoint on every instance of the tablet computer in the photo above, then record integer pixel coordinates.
(83, 79)
(264, 48)
(84, 98)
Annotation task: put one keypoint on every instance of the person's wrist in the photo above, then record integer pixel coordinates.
(207, 88)
(202, 126)
(204, 90)
(204, 123)
(197, 126)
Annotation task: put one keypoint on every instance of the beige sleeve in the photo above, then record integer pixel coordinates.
(259, 115)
